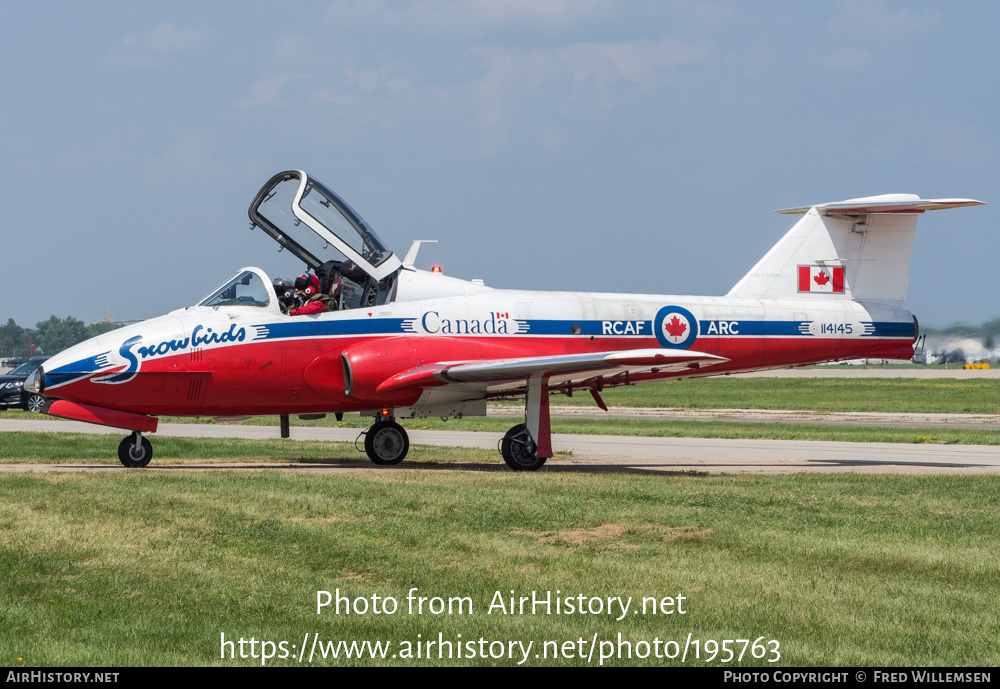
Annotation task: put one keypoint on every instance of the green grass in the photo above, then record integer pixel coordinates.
(57, 448)
(665, 428)
(937, 395)
(142, 568)
(71, 447)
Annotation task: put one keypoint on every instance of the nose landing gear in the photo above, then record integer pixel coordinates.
(386, 442)
(134, 451)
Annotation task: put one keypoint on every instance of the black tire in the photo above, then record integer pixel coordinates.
(35, 403)
(132, 456)
(518, 450)
(387, 443)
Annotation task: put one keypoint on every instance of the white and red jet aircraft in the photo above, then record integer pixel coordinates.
(409, 343)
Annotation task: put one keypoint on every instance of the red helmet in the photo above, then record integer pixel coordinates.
(307, 284)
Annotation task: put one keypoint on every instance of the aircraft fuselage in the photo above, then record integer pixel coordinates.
(234, 361)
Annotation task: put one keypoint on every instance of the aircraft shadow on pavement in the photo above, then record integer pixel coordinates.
(313, 465)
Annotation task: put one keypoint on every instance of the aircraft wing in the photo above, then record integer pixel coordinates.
(511, 374)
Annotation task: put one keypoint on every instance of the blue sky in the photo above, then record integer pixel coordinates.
(605, 145)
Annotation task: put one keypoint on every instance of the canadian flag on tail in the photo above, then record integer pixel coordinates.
(821, 279)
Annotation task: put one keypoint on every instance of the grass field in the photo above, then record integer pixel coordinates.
(136, 568)
(16, 448)
(150, 568)
(72, 447)
(935, 395)
(938, 395)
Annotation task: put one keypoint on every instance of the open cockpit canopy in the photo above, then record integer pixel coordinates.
(309, 219)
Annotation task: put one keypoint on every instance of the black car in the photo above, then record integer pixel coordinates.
(11, 384)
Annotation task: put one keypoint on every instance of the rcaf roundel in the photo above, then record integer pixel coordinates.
(676, 327)
(829, 279)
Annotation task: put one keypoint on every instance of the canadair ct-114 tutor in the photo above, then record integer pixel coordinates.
(399, 342)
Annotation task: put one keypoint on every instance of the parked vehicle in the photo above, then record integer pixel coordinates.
(11, 385)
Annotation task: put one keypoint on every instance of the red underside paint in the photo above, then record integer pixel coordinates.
(306, 376)
(103, 417)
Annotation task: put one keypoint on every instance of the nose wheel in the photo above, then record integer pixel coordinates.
(134, 451)
(386, 442)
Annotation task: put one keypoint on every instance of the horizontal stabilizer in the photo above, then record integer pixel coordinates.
(885, 203)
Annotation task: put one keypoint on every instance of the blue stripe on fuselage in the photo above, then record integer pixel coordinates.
(618, 328)
(76, 370)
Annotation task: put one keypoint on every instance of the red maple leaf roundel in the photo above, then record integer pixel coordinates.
(675, 327)
(821, 279)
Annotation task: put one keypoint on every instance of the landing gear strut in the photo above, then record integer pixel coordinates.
(386, 442)
(519, 450)
(134, 451)
(527, 445)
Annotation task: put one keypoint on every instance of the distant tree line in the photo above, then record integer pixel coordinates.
(49, 337)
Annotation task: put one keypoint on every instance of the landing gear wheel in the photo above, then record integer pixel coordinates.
(35, 403)
(518, 450)
(134, 451)
(386, 443)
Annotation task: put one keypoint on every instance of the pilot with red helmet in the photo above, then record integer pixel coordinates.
(314, 300)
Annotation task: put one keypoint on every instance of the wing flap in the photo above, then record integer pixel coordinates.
(499, 373)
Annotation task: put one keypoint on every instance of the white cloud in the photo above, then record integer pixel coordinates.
(470, 17)
(334, 97)
(291, 47)
(848, 59)
(873, 36)
(863, 21)
(573, 81)
(189, 155)
(160, 43)
(356, 86)
(267, 90)
(634, 61)
(715, 12)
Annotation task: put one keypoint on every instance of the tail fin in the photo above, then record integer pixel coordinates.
(857, 249)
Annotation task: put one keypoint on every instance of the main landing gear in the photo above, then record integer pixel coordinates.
(527, 445)
(386, 442)
(520, 451)
(134, 451)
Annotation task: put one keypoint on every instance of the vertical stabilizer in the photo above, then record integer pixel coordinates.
(858, 249)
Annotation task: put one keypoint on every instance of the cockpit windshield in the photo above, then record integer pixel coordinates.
(246, 289)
